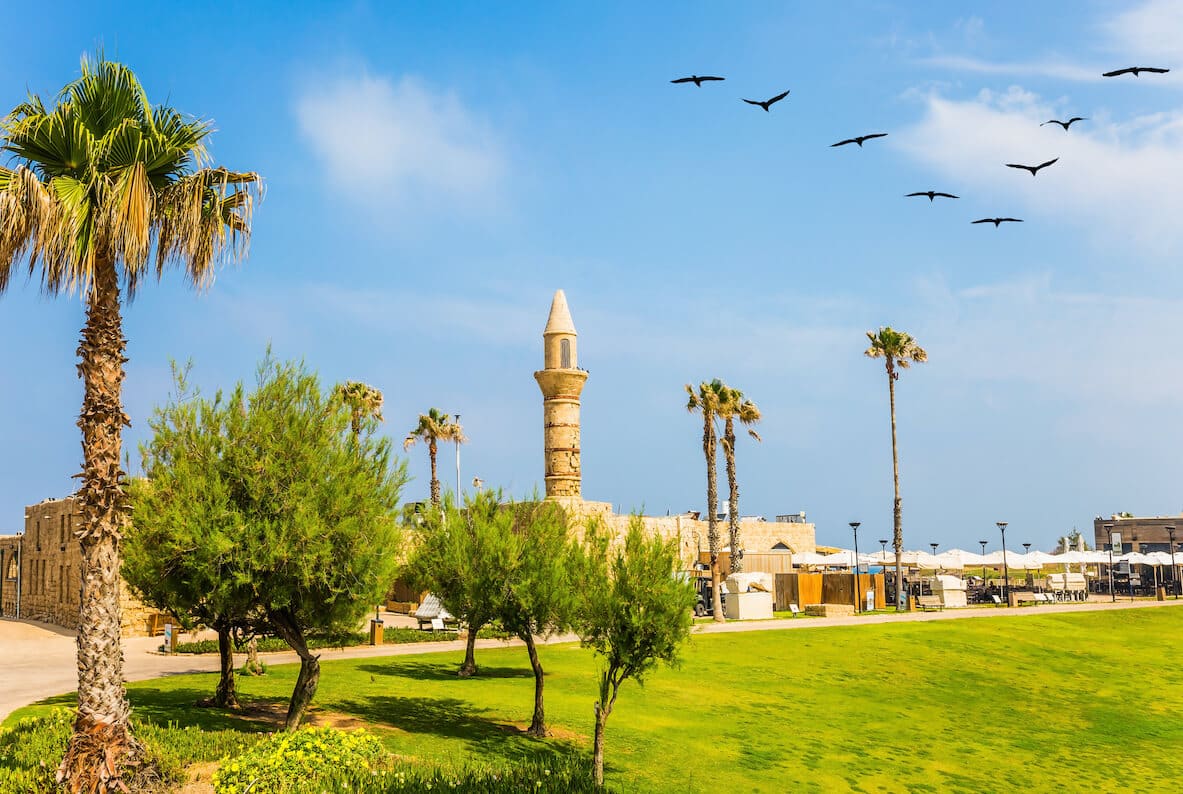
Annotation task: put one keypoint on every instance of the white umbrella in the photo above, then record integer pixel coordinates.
(928, 562)
(1013, 560)
(878, 558)
(1038, 559)
(959, 558)
(844, 559)
(808, 558)
(1160, 558)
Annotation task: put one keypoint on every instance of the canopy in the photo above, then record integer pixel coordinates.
(1012, 559)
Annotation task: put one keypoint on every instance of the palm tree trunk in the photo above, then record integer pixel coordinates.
(897, 537)
(435, 481)
(538, 721)
(732, 496)
(708, 446)
(102, 744)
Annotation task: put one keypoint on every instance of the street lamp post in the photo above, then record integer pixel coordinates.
(1026, 551)
(1005, 571)
(883, 546)
(983, 561)
(1174, 570)
(854, 525)
(1109, 534)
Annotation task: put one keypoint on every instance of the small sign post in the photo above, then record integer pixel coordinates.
(168, 638)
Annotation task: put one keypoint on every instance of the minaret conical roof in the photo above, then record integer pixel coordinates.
(559, 321)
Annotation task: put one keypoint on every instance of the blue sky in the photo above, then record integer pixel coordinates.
(433, 175)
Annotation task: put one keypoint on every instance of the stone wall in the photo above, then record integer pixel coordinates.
(691, 533)
(51, 576)
(9, 546)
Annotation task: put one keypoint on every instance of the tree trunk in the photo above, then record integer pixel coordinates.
(226, 695)
(897, 537)
(469, 667)
(102, 745)
(708, 448)
(538, 722)
(435, 480)
(602, 711)
(732, 496)
(309, 676)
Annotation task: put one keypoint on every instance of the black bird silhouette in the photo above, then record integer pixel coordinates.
(698, 81)
(931, 194)
(1032, 168)
(997, 221)
(1134, 70)
(859, 140)
(1065, 124)
(766, 103)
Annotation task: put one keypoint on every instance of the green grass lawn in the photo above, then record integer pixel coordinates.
(1075, 701)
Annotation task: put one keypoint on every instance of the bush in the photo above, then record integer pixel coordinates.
(392, 636)
(30, 750)
(291, 762)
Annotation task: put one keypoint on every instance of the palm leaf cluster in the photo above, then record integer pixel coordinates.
(104, 174)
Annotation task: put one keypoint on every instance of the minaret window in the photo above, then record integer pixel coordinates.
(565, 353)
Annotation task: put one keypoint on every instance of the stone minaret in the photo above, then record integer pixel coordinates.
(561, 382)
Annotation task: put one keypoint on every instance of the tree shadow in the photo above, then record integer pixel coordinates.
(422, 670)
(176, 707)
(458, 719)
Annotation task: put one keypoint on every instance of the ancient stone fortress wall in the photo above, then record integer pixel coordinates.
(9, 549)
(51, 572)
(691, 533)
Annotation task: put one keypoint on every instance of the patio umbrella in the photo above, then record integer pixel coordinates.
(841, 559)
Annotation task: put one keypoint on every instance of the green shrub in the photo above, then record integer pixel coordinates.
(30, 750)
(393, 636)
(289, 762)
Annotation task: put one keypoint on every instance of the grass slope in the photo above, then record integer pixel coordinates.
(1084, 701)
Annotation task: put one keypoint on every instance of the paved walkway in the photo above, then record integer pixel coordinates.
(38, 660)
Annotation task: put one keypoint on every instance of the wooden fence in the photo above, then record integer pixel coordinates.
(803, 589)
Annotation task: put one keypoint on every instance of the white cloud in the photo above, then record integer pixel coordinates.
(1116, 180)
(1057, 69)
(1151, 30)
(399, 141)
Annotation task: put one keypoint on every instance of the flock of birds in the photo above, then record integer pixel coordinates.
(933, 194)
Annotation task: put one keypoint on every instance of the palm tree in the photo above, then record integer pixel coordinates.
(707, 401)
(434, 427)
(106, 189)
(898, 350)
(735, 406)
(364, 401)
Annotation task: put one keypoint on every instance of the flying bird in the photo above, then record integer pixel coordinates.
(698, 81)
(768, 102)
(931, 194)
(1135, 70)
(1032, 168)
(859, 140)
(997, 221)
(1065, 124)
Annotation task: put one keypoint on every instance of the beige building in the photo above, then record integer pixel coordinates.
(561, 381)
(42, 569)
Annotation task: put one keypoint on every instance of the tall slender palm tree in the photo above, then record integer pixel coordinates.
(364, 401)
(707, 401)
(105, 190)
(899, 351)
(435, 426)
(735, 406)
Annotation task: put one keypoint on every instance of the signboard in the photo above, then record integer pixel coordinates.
(168, 638)
(1115, 542)
(871, 600)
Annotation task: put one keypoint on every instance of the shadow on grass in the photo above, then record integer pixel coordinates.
(458, 719)
(423, 670)
(176, 707)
